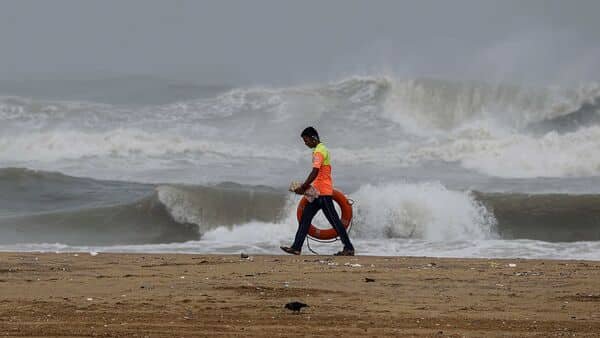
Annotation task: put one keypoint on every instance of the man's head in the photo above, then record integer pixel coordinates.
(310, 137)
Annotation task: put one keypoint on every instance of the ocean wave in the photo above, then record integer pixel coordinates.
(496, 130)
(427, 210)
(427, 103)
(143, 221)
(93, 212)
(72, 145)
(46, 207)
(515, 155)
(516, 249)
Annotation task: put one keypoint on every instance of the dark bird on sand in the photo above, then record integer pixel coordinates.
(295, 306)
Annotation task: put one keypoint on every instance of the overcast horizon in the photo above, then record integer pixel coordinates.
(274, 42)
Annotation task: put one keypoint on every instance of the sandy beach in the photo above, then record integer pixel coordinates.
(151, 295)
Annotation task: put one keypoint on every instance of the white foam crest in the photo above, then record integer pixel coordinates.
(494, 151)
(230, 103)
(185, 207)
(528, 249)
(490, 248)
(256, 232)
(281, 104)
(424, 210)
(63, 144)
(359, 88)
(400, 210)
(519, 155)
(16, 107)
(252, 232)
(424, 106)
(420, 105)
(179, 206)
(476, 125)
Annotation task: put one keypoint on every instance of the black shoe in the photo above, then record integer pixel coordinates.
(345, 252)
(289, 250)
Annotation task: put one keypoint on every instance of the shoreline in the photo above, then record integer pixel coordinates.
(188, 295)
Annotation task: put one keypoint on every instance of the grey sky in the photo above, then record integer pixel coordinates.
(299, 41)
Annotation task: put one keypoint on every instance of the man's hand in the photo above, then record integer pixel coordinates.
(300, 190)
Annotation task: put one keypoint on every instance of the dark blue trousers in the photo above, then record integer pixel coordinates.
(324, 203)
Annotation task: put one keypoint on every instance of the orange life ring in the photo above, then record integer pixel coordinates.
(346, 218)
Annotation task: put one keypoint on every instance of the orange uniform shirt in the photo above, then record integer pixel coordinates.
(323, 183)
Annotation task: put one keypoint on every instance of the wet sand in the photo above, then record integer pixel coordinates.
(197, 295)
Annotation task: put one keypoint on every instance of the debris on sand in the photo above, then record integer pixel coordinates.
(295, 306)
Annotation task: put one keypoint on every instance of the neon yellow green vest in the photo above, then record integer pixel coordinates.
(320, 148)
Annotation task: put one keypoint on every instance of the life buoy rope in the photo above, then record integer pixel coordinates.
(329, 234)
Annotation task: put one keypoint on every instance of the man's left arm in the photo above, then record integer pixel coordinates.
(317, 161)
(311, 177)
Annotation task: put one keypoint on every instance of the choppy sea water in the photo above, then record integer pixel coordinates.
(437, 168)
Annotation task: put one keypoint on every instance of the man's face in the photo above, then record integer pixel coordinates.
(309, 141)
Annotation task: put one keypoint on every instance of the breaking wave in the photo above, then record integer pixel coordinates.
(90, 212)
(497, 130)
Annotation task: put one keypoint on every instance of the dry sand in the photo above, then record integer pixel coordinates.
(190, 296)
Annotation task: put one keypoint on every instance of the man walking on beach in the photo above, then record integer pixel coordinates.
(319, 179)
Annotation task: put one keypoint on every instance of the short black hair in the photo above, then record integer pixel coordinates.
(310, 132)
